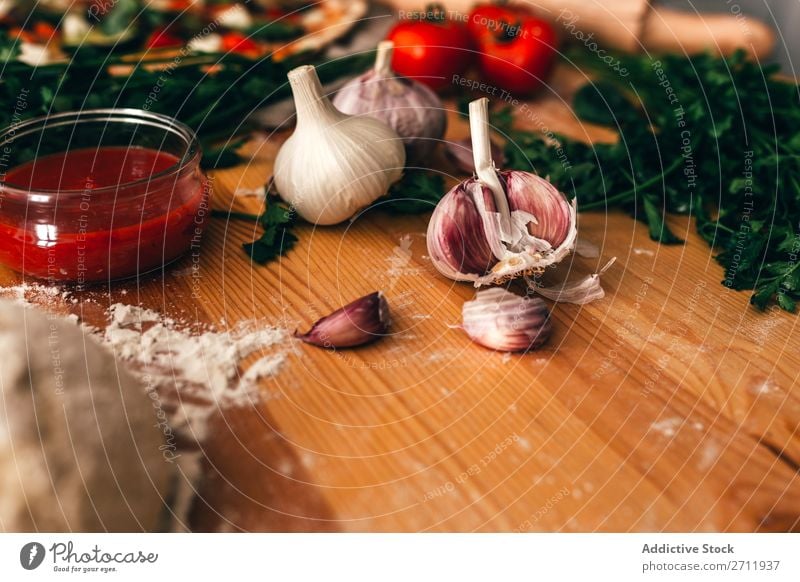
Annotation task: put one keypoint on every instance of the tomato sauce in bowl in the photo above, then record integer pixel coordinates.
(128, 197)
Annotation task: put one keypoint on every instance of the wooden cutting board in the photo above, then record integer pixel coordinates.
(669, 405)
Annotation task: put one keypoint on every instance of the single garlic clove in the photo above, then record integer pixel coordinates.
(504, 321)
(530, 193)
(457, 244)
(360, 322)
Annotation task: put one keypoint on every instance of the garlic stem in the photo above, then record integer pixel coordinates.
(311, 105)
(383, 59)
(484, 166)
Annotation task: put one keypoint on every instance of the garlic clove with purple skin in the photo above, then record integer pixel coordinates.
(459, 244)
(357, 323)
(412, 109)
(526, 223)
(501, 320)
(529, 193)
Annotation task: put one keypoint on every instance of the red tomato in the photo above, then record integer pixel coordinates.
(430, 50)
(236, 42)
(516, 48)
(485, 18)
(160, 38)
(44, 30)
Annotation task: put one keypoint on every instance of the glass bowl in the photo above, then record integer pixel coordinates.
(98, 195)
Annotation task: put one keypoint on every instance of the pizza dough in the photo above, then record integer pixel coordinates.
(80, 443)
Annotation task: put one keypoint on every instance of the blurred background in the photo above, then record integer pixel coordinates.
(784, 15)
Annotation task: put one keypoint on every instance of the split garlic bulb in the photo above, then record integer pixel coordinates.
(412, 109)
(500, 224)
(333, 165)
(501, 320)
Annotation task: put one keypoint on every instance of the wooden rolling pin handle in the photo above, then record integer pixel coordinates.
(667, 30)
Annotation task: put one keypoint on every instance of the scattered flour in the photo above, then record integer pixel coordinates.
(177, 356)
(645, 252)
(202, 366)
(30, 293)
(259, 192)
(708, 456)
(768, 386)
(667, 427)
(195, 372)
(263, 368)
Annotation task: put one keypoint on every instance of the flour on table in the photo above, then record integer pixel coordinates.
(767, 386)
(263, 368)
(201, 365)
(30, 293)
(260, 192)
(667, 427)
(209, 360)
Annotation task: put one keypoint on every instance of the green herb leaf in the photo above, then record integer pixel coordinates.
(223, 156)
(120, 17)
(9, 47)
(277, 238)
(764, 294)
(418, 191)
(654, 213)
(604, 104)
(786, 302)
(274, 31)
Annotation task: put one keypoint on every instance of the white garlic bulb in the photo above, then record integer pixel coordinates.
(500, 224)
(412, 109)
(501, 320)
(333, 165)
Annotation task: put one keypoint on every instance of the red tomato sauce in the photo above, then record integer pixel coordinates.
(100, 213)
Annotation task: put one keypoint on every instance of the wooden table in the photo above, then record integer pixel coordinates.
(669, 405)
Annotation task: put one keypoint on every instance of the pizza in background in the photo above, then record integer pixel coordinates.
(48, 30)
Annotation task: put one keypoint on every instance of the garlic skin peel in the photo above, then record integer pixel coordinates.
(498, 319)
(500, 224)
(579, 292)
(333, 165)
(412, 109)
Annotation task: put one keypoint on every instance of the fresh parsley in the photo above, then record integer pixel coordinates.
(276, 240)
(417, 192)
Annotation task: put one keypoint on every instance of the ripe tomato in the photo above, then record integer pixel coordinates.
(516, 49)
(161, 38)
(430, 50)
(236, 42)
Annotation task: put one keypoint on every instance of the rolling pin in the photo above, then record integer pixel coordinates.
(636, 25)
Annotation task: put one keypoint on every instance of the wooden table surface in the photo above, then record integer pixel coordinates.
(669, 405)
